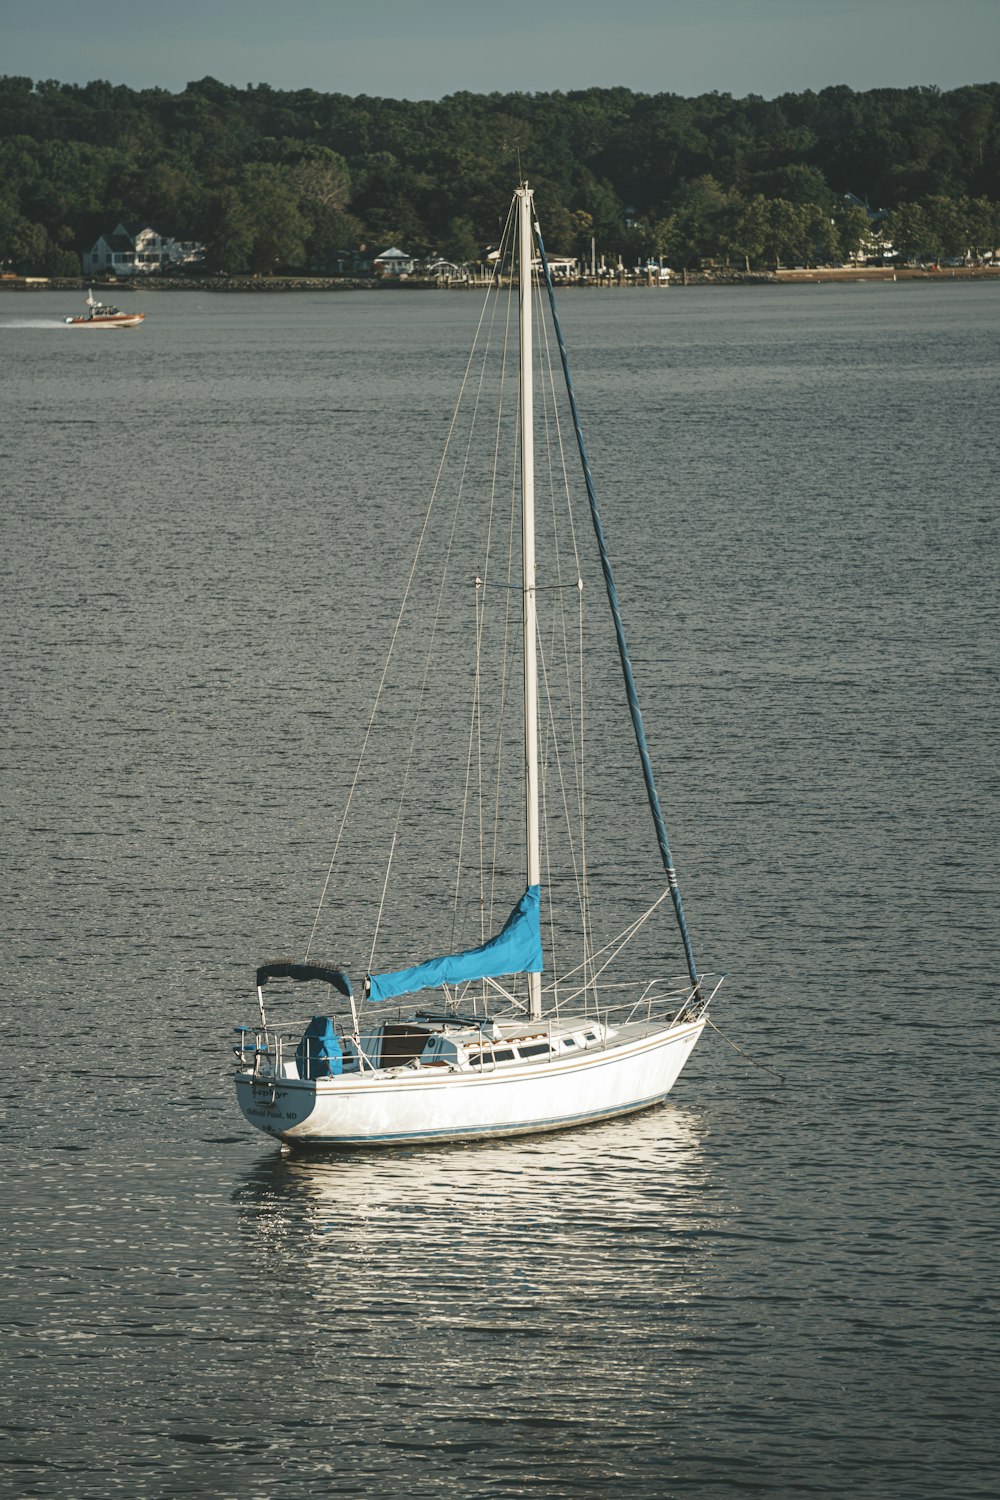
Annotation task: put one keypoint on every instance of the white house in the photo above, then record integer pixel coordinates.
(393, 262)
(138, 250)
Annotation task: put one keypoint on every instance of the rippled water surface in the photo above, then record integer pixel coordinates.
(770, 1286)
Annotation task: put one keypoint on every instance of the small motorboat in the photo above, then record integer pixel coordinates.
(103, 315)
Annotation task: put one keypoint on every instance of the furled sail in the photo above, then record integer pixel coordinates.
(516, 949)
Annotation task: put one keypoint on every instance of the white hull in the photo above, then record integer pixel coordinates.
(127, 320)
(414, 1105)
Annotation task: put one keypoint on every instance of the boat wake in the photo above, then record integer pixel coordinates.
(31, 323)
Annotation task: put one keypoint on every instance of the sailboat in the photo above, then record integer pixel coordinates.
(538, 1023)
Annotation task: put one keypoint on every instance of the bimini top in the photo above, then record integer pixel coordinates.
(286, 968)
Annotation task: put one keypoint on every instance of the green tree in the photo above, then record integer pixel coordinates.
(60, 262)
(787, 238)
(460, 243)
(271, 199)
(799, 183)
(984, 227)
(702, 222)
(230, 245)
(405, 171)
(582, 237)
(853, 229)
(386, 199)
(822, 238)
(28, 246)
(909, 231)
(598, 201)
(947, 226)
(322, 180)
(330, 234)
(750, 231)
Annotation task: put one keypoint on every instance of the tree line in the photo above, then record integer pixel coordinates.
(288, 180)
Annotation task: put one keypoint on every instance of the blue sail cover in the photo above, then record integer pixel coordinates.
(517, 949)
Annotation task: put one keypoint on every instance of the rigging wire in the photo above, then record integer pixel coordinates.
(630, 688)
(552, 405)
(745, 1055)
(399, 617)
(554, 757)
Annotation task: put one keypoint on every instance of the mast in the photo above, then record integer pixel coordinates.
(533, 839)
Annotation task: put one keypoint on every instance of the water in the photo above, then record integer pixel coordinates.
(778, 1287)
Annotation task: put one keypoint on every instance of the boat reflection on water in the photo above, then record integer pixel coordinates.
(635, 1192)
(473, 1313)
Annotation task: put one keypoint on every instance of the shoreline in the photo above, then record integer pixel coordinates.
(888, 273)
(721, 277)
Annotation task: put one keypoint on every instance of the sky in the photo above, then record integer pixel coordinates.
(425, 49)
